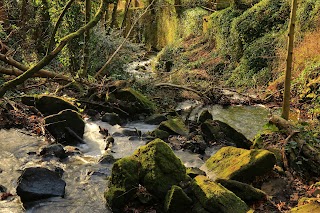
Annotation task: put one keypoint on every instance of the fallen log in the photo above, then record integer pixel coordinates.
(41, 73)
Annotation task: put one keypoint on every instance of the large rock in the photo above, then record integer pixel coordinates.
(161, 169)
(47, 104)
(204, 115)
(133, 102)
(174, 126)
(215, 198)
(39, 183)
(217, 131)
(177, 201)
(124, 183)
(65, 127)
(246, 192)
(56, 150)
(111, 118)
(156, 119)
(153, 167)
(239, 164)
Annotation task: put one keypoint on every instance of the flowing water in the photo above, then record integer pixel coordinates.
(85, 177)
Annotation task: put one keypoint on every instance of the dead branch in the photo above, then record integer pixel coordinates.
(41, 73)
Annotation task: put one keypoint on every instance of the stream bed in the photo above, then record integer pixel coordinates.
(85, 177)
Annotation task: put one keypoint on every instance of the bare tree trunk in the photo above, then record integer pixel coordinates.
(48, 58)
(128, 2)
(114, 15)
(86, 51)
(287, 83)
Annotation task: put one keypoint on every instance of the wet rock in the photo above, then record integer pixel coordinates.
(1, 170)
(217, 131)
(239, 164)
(194, 172)
(47, 104)
(2, 188)
(157, 133)
(107, 159)
(156, 119)
(71, 150)
(91, 112)
(177, 201)
(67, 127)
(198, 145)
(174, 126)
(204, 115)
(111, 118)
(39, 183)
(216, 198)
(56, 150)
(109, 142)
(133, 102)
(131, 132)
(246, 192)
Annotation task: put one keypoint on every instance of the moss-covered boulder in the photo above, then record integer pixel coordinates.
(47, 104)
(239, 164)
(307, 208)
(216, 198)
(161, 169)
(174, 126)
(156, 119)
(218, 131)
(177, 201)
(158, 133)
(123, 184)
(246, 192)
(67, 127)
(133, 102)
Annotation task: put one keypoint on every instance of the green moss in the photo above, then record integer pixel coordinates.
(308, 14)
(239, 164)
(124, 182)
(246, 192)
(215, 198)
(160, 167)
(307, 208)
(174, 126)
(177, 201)
(158, 133)
(191, 21)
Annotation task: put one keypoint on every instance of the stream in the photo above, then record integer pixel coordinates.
(85, 177)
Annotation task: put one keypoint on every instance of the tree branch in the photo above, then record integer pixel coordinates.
(51, 43)
(48, 58)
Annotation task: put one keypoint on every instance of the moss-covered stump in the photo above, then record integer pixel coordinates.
(123, 184)
(65, 127)
(246, 192)
(307, 208)
(133, 102)
(177, 201)
(218, 131)
(174, 126)
(216, 198)
(160, 167)
(239, 164)
(47, 104)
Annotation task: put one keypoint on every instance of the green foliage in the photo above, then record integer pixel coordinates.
(191, 21)
(102, 46)
(308, 14)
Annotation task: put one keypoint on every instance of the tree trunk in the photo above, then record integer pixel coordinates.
(128, 2)
(86, 51)
(53, 34)
(287, 83)
(114, 15)
(48, 58)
